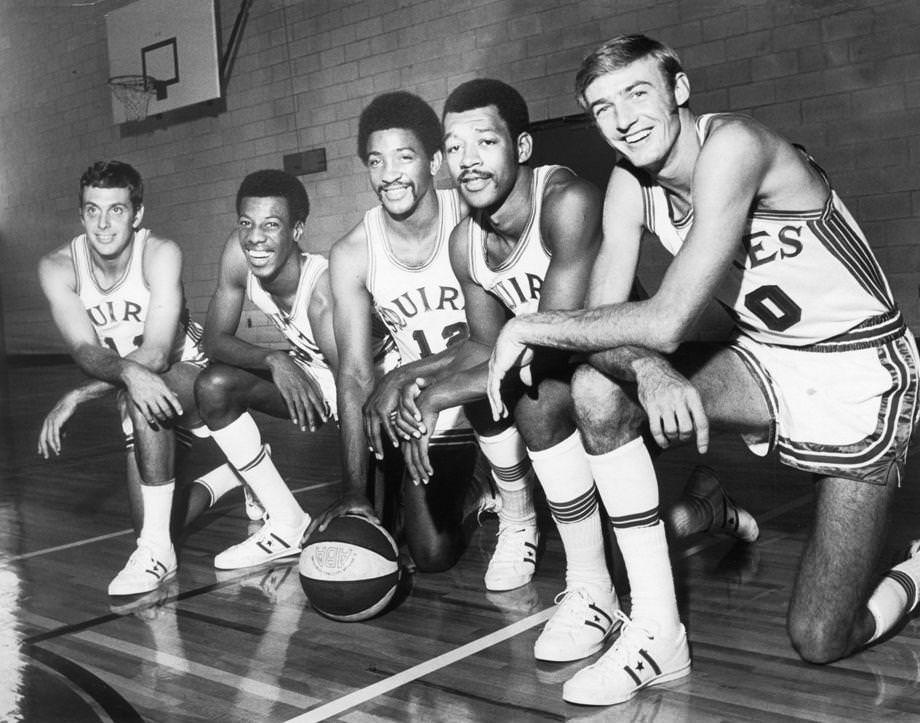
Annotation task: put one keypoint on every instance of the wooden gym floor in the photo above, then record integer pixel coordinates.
(247, 646)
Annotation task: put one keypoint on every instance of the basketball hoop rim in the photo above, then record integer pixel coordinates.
(135, 81)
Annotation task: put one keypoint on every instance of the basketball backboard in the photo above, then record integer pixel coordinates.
(173, 41)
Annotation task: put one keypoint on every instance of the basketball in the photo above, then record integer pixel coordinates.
(349, 571)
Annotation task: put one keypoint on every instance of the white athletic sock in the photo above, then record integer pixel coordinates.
(628, 487)
(510, 467)
(241, 442)
(895, 595)
(157, 501)
(564, 472)
(219, 481)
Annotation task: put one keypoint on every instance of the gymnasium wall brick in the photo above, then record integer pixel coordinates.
(841, 76)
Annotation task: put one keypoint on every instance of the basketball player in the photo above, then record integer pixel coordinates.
(530, 241)
(825, 372)
(116, 297)
(189, 500)
(397, 263)
(262, 260)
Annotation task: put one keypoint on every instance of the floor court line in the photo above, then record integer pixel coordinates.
(121, 533)
(422, 669)
(363, 695)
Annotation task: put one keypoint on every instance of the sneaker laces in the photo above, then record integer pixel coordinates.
(633, 637)
(144, 556)
(572, 604)
(508, 547)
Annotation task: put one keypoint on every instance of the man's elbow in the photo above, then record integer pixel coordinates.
(157, 361)
(666, 336)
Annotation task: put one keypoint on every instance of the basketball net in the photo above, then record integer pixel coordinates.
(134, 93)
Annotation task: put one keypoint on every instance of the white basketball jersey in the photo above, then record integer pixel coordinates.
(422, 306)
(797, 277)
(295, 325)
(517, 281)
(118, 313)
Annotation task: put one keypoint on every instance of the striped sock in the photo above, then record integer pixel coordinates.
(628, 486)
(511, 473)
(566, 478)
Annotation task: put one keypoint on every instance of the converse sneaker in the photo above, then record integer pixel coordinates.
(515, 558)
(144, 571)
(639, 658)
(705, 507)
(579, 626)
(272, 542)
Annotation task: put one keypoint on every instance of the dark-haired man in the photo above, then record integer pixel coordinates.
(529, 243)
(262, 260)
(116, 296)
(821, 366)
(396, 262)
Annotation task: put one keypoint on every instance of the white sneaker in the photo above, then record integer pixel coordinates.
(254, 509)
(271, 542)
(144, 571)
(579, 626)
(637, 659)
(515, 558)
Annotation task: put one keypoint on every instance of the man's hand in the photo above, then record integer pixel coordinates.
(301, 393)
(151, 395)
(409, 420)
(417, 421)
(49, 440)
(509, 351)
(380, 411)
(351, 503)
(418, 464)
(672, 404)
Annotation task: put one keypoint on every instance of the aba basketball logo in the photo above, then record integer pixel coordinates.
(332, 559)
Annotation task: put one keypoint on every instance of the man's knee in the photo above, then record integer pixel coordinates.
(215, 388)
(818, 638)
(545, 415)
(435, 558)
(602, 407)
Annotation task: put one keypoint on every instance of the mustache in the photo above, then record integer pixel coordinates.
(384, 187)
(473, 175)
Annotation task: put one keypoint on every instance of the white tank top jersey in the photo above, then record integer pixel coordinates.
(517, 281)
(295, 325)
(798, 278)
(422, 306)
(119, 312)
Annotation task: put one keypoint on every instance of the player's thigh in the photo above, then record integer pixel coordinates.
(839, 566)
(731, 395)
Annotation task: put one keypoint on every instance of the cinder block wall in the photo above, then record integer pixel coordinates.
(840, 76)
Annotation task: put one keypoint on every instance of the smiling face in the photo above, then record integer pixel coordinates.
(636, 110)
(109, 219)
(400, 171)
(481, 156)
(266, 234)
